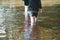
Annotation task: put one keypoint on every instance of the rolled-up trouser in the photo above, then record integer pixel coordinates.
(31, 13)
(26, 2)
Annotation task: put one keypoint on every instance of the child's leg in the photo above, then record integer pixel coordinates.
(26, 33)
(26, 13)
(33, 18)
(33, 21)
(26, 19)
(26, 3)
(32, 24)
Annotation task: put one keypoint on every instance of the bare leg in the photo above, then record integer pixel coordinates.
(32, 24)
(26, 13)
(26, 18)
(36, 20)
(33, 32)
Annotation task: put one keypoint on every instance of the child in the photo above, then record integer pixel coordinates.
(34, 6)
(26, 3)
(26, 34)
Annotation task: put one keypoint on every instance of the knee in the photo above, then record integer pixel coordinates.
(33, 14)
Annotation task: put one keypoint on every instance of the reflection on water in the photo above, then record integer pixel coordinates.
(10, 24)
(7, 18)
(2, 26)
